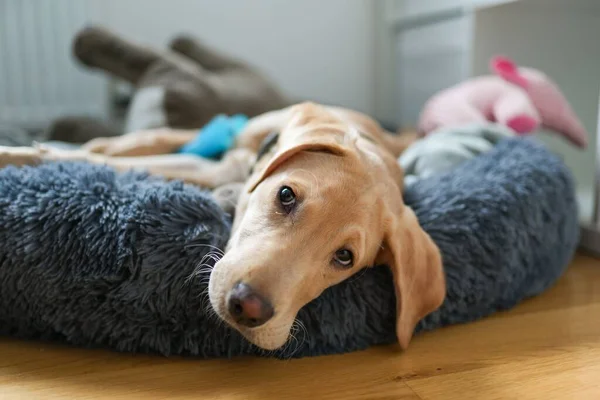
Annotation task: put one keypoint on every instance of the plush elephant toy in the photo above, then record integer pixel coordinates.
(182, 87)
(523, 99)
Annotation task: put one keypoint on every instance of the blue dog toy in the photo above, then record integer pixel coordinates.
(216, 137)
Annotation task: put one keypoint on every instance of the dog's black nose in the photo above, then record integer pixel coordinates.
(247, 307)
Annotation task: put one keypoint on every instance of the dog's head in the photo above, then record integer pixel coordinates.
(327, 204)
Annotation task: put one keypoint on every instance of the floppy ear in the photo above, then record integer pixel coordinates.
(297, 136)
(416, 264)
(293, 147)
(508, 70)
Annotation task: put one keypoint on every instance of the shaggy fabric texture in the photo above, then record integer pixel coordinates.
(94, 258)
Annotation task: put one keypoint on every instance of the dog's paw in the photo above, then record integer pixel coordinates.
(50, 153)
(243, 157)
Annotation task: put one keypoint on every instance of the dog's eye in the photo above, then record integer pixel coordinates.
(287, 198)
(344, 258)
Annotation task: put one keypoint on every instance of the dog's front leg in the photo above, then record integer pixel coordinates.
(141, 143)
(19, 156)
(234, 167)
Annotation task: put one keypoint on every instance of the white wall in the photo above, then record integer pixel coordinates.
(39, 81)
(314, 49)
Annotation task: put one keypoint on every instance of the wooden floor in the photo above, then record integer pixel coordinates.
(547, 348)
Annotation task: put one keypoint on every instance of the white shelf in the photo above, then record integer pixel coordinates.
(407, 14)
(438, 43)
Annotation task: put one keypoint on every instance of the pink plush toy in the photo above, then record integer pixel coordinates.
(524, 99)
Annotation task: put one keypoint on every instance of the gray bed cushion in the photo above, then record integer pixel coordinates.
(95, 258)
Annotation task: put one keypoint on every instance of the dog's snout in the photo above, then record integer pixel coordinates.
(247, 307)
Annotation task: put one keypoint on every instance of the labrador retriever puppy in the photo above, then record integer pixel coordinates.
(324, 204)
(321, 199)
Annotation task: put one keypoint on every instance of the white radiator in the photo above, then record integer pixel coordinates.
(39, 79)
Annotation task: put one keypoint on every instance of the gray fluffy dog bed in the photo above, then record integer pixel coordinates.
(94, 258)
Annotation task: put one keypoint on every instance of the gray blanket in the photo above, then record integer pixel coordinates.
(94, 258)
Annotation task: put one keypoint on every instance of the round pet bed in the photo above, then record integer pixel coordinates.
(94, 258)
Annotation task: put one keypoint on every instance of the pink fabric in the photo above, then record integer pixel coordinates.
(522, 123)
(508, 70)
(523, 99)
(515, 110)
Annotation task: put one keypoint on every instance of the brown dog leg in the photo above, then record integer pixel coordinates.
(79, 130)
(19, 156)
(207, 57)
(234, 167)
(99, 48)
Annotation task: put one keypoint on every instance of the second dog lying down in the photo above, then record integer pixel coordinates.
(320, 202)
